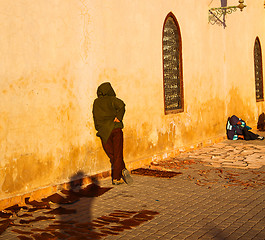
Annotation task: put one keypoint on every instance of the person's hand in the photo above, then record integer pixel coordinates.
(116, 120)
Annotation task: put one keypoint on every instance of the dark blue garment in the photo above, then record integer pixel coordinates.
(233, 129)
(236, 126)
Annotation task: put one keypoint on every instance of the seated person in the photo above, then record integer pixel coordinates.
(236, 128)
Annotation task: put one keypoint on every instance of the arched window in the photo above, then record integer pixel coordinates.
(258, 71)
(172, 66)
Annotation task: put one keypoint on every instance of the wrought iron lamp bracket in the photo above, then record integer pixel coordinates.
(215, 14)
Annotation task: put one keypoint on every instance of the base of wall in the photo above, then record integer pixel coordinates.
(172, 153)
(47, 191)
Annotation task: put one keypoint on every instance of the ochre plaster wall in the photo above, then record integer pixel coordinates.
(55, 53)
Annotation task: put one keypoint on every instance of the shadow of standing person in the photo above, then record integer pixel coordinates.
(75, 209)
(65, 214)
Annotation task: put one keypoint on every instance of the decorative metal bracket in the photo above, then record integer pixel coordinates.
(215, 14)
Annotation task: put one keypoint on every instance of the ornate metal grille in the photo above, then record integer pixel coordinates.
(173, 92)
(258, 70)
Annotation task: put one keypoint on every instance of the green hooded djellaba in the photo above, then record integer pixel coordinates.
(106, 108)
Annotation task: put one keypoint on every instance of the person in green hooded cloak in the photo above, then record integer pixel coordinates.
(108, 112)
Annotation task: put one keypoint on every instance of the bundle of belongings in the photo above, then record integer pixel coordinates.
(261, 122)
(236, 128)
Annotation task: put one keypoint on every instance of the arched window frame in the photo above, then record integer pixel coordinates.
(180, 70)
(258, 68)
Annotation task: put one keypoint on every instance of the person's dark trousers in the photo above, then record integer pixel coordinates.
(248, 135)
(114, 150)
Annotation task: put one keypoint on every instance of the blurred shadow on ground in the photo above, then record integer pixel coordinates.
(67, 215)
(75, 209)
(63, 215)
(81, 226)
(217, 233)
(75, 212)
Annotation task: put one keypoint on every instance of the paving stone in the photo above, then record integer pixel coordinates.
(185, 209)
(260, 235)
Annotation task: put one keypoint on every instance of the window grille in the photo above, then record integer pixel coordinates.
(172, 65)
(258, 70)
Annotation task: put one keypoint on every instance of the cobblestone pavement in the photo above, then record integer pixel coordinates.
(239, 154)
(220, 194)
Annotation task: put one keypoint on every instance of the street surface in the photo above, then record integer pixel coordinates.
(218, 192)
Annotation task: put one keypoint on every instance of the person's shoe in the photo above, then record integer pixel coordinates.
(126, 176)
(260, 138)
(117, 182)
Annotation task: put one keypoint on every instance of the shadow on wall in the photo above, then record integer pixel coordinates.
(237, 105)
(261, 122)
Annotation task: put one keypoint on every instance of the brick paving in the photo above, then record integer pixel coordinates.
(220, 194)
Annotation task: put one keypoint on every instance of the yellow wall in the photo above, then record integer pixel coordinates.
(55, 53)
